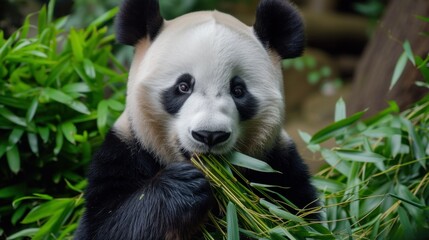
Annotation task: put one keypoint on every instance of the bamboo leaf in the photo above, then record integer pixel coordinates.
(353, 184)
(328, 185)
(426, 19)
(28, 232)
(58, 96)
(335, 128)
(374, 232)
(57, 70)
(76, 45)
(13, 102)
(75, 188)
(42, 20)
(232, 222)
(409, 52)
(399, 69)
(88, 66)
(276, 210)
(59, 140)
(285, 215)
(280, 232)
(70, 228)
(14, 137)
(4, 112)
(6, 47)
(50, 12)
(416, 142)
(43, 196)
(18, 214)
(11, 191)
(60, 22)
(104, 18)
(44, 133)
(405, 221)
(36, 196)
(80, 107)
(25, 27)
(245, 161)
(404, 194)
(340, 110)
(336, 162)
(102, 114)
(53, 225)
(382, 131)
(33, 142)
(276, 236)
(116, 105)
(306, 138)
(358, 156)
(79, 87)
(32, 110)
(13, 159)
(63, 98)
(319, 228)
(46, 210)
(396, 139)
(69, 131)
(35, 53)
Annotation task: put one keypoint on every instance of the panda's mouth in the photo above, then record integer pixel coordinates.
(188, 153)
(215, 151)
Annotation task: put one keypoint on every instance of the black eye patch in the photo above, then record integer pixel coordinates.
(174, 97)
(245, 102)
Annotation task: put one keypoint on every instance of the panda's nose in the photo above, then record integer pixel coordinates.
(210, 138)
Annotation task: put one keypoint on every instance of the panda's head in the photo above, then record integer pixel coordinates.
(205, 82)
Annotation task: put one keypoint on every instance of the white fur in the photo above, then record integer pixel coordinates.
(213, 47)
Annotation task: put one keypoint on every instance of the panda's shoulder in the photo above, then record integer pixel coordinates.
(115, 147)
(118, 155)
(286, 156)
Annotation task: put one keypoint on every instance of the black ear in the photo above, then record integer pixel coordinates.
(279, 27)
(138, 19)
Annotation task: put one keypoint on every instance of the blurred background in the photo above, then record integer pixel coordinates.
(352, 48)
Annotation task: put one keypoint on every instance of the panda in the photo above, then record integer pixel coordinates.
(201, 83)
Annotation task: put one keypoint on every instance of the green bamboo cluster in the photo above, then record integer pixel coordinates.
(247, 213)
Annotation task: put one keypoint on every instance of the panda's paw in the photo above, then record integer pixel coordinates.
(188, 190)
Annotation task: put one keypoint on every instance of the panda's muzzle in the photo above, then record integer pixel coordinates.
(210, 138)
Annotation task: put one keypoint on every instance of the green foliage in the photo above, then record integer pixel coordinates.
(376, 184)
(59, 94)
(245, 212)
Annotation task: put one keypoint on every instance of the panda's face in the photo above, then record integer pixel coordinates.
(206, 84)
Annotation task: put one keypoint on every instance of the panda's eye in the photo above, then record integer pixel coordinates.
(183, 87)
(185, 84)
(238, 91)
